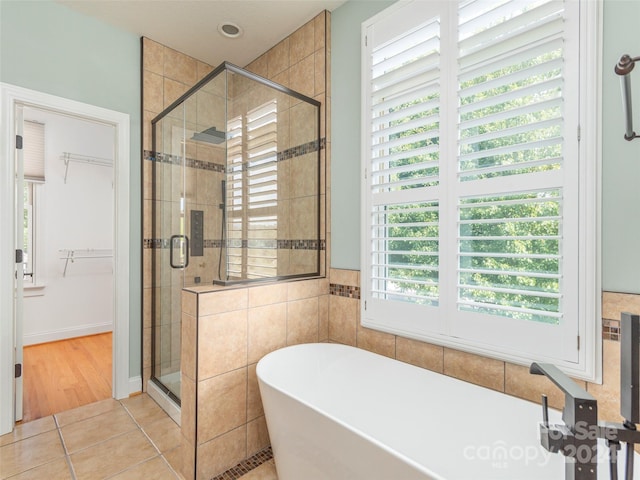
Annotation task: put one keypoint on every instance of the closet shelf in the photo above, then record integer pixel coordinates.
(68, 157)
(78, 254)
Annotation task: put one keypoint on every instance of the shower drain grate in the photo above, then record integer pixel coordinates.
(246, 466)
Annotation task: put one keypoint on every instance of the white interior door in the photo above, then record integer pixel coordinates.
(19, 272)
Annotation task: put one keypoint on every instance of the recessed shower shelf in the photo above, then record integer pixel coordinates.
(68, 157)
(72, 255)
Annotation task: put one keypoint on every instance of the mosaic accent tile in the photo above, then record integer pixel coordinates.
(218, 167)
(177, 160)
(344, 291)
(611, 329)
(301, 244)
(159, 243)
(303, 149)
(246, 466)
(202, 165)
(212, 243)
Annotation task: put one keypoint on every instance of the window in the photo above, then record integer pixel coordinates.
(33, 158)
(473, 217)
(28, 230)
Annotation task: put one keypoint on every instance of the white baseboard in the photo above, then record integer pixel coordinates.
(65, 333)
(135, 384)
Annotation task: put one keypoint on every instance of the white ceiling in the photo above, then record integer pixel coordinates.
(191, 26)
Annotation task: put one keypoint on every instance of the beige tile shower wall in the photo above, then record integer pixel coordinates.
(344, 327)
(167, 74)
(235, 329)
(301, 62)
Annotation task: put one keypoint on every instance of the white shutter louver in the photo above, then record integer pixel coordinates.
(405, 253)
(474, 200)
(252, 186)
(405, 110)
(405, 138)
(509, 250)
(262, 178)
(511, 89)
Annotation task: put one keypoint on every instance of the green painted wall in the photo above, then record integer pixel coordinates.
(49, 48)
(345, 129)
(621, 159)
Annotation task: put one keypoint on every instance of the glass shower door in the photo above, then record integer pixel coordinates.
(171, 250)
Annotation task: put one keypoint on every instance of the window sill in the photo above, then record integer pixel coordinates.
(36, 290)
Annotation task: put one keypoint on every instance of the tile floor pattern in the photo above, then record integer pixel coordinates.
(111, 439)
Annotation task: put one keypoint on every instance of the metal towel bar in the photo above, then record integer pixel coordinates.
(623, 68)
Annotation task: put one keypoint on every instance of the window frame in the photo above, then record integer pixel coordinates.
(34, 133)
(588, 364)
(29, 265)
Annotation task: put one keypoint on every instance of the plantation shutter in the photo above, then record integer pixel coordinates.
(472, 175)
(252, 181)
(33, 134)
(515, 196)
(262, 195)
(404, 169)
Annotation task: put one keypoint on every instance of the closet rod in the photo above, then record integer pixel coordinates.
(623, 68)
(74, 157)
(75, 254)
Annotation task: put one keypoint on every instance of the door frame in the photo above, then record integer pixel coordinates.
(10, 95)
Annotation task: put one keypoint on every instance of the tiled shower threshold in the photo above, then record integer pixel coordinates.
(165, 402)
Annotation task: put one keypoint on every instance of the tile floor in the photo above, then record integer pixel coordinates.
(111, 439)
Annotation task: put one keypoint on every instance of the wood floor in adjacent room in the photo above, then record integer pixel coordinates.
(66, 374)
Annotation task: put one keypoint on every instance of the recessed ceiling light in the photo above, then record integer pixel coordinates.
(229, 29)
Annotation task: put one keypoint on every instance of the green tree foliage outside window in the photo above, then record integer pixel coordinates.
(511, 259)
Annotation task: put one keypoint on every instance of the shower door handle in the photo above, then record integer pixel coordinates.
(178, 242)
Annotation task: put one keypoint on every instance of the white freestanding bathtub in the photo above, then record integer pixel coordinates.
(337, 412)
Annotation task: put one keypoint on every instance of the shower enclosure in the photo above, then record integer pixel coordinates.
(236, 188)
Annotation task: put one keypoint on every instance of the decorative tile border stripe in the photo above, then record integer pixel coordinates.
(247, 465)
(611, 329)
(287, 154)
(155, 243)
(344, 291)
(303, 149)
(177, 160)
(301, 244)
(159, 243)
(212, 243)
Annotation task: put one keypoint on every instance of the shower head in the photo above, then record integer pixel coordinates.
(210, 135)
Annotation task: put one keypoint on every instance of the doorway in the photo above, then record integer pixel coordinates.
(13, 100)
(68, 284)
